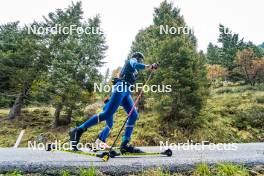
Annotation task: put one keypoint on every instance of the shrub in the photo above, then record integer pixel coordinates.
(230, 170)
(252, 117)
(88, 172)
(260, 100)
(202, 170)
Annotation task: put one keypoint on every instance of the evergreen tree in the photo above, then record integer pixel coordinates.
(76, 58)
(106, 76)
(231, 44)
(24, 58)
(179, 66)
(213, 55)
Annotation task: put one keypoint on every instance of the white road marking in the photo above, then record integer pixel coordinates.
(19, 139)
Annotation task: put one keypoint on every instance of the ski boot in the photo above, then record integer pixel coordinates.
(75, 135)
(127, 148)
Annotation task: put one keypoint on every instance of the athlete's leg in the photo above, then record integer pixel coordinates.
(105, 132)
(127, 104)
(113, 104)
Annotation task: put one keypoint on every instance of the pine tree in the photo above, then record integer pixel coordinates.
(24, 58)
(231, 44)
(179, 66)
(213, 55)
(75, 60)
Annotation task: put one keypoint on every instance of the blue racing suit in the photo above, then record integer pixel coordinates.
(123, 98)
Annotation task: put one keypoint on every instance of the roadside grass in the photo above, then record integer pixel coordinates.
(236, 116)
(229, 116)
(14, 173)
(158, 172)
(88, 172)
(230, 170)
(220, 169)
(65, 173)
(202, 169)
(37, 123)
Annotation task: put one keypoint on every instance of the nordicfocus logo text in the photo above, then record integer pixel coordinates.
(132, 88)
(204, 145)
(59, 29)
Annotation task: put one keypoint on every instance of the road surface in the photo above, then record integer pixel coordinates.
(40, 161)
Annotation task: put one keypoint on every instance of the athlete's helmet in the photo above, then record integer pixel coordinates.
(138, 55)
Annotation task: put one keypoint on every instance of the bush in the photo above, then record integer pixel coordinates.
(88, 172)
(65, 173)
(4, 102)
(15, 173)
(231, 170)
(260, 100)
(202, 170)
(250, 118)
(240, 89)
(224, 90)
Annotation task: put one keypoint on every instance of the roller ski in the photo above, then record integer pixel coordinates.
(113, 153)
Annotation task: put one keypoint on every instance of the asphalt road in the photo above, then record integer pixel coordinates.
(29, 160)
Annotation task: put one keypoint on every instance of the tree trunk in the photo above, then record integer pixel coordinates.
(17, 106)
(69, 115)
(58, 110)
(141, 103)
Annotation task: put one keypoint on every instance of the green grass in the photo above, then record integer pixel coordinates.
(202, 169)
(229, 116)
(220, 169)
(65, 173)
(88, 172)
(14, 173)
(234, 116)
(230, 170)
(38, 122)
(158, 172)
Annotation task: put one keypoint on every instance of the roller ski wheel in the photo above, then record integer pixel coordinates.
(167, 152)
(50, 147)
(105, 156)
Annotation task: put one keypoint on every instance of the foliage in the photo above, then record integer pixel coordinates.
(56, 68)
(225, 54)
(230, 45)
(24, 58)
(179, 66)
(220, 169)
(202, 170)
(213, 55)
(230, 170)
(15, 173)
(251, 67)
(88, 172)
(75, 60)
(65, 173)
(215, 72)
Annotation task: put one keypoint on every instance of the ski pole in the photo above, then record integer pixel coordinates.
(106, 155)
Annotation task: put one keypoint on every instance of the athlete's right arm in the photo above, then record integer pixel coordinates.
(138, 66)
